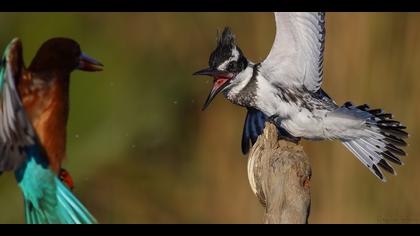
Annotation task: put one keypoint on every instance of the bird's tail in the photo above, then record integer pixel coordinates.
(68, 210)
(47, 199)
(383, 141)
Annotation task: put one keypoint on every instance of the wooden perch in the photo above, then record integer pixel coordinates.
(279, 173)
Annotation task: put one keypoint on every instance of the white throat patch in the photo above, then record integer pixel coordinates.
(239, 82)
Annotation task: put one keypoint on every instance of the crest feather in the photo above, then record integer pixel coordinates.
(227, 38)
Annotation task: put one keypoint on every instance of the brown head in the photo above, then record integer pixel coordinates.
(62, 55)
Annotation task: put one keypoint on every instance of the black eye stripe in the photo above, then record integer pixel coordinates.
(231, 65)
(229, 58)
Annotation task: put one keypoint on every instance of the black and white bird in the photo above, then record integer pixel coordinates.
(286, 89)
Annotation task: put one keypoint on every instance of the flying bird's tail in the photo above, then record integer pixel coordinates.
(383, 141)
(47, 199)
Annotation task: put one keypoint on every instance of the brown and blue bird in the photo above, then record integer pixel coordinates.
(34, 109)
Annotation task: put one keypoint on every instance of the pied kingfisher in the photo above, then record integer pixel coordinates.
(286, 89)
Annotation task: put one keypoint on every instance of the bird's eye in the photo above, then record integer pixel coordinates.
(231, 66)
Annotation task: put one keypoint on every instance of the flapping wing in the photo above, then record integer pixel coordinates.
(16, 131)
(296, 58)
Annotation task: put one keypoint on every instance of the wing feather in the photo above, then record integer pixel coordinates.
(297, 55)
(16, 131)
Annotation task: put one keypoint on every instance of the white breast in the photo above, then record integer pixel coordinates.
(297, 120)
(268, 101)
(305, 124)
(238, 83)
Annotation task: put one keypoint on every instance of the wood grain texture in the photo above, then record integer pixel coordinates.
(279, 173)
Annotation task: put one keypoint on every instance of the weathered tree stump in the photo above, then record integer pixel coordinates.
(279, 173)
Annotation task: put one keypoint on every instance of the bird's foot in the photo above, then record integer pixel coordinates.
(66, 178)
(282, 133)
(272, 119)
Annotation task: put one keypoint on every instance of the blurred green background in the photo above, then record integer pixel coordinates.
(141, 150)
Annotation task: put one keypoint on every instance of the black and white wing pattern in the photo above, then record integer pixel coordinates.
(297, 55)
(16, 131)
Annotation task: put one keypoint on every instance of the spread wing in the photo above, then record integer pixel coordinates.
(296, 58)
(16, 131)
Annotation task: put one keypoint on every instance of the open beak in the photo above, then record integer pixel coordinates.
(221, 80)
(87, 63)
